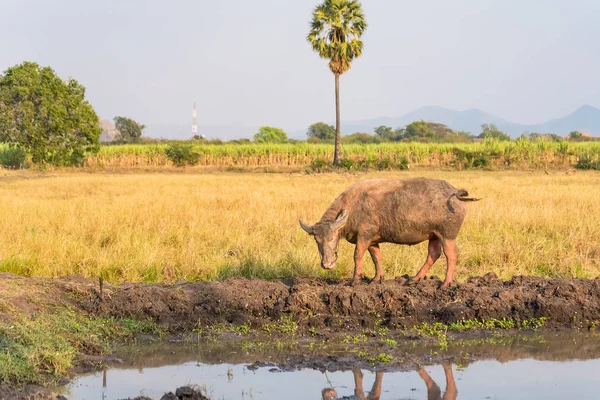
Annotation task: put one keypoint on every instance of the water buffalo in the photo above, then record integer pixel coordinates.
(401, 211)
(433, 390)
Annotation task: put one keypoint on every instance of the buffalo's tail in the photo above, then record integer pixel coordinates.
(462, 196)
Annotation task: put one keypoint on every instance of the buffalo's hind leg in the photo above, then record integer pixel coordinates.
(434, 250)
(375, 252)
(359, 252)
(358, 383)
(375, 392)
(451, 258)
(451, 391)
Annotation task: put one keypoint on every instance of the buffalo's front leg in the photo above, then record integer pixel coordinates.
(359, 252)
(434, 250)
(375, 252)
(433, 390)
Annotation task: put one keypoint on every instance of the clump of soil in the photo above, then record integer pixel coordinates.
(32, 392)
(316, 305)
(182, 393)
(29, 392)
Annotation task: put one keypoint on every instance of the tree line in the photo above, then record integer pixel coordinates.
(417, 131)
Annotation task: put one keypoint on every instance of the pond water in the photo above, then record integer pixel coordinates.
(557, 367)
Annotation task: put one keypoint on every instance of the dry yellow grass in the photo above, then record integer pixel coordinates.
(169, 226)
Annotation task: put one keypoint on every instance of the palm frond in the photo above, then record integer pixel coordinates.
(335, 32)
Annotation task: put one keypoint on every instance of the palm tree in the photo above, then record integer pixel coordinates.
(335, 32)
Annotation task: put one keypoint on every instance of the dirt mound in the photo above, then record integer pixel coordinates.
(337, 306)
(322, 304)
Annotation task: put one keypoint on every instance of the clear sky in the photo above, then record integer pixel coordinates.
(248, 62)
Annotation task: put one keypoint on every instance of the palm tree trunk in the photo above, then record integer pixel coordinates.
(337, 155)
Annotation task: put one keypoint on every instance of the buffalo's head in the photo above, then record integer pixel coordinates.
(327, 236)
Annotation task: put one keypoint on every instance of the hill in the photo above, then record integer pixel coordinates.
(584, 119)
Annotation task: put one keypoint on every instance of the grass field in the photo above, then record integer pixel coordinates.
(170, 226)
(520, 154)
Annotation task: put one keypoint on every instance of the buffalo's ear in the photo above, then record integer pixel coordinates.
(340, 220)
(308, 228)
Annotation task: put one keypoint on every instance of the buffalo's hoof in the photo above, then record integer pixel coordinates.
(354, 282)
(446, 285)
(376, 280)
(411, 281)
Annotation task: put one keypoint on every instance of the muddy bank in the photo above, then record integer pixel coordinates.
(320, 307)
(335, 306)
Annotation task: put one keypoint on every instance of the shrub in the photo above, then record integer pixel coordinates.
(403, 163)
(182, 154)
(480, 160)
(586, 161)
(471, 159)
(384, 164)
(13, 158)
(346, 163)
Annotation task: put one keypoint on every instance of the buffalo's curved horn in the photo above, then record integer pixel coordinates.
(308, 228)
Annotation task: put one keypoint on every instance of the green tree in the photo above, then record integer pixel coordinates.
(384, 132)
(577, 136)
(321, 131)
(465, 134)
(268, 134)
(360, 137)
(541, 137)
(129, 130)
(398, 134)
(418, 130)
(423, 131)
(335, 32)
(46, 116)
(387, 134)
(491, 131)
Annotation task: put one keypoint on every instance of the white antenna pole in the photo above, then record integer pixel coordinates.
(194, 123)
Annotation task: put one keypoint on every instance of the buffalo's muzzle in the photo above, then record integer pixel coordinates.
(328, 265)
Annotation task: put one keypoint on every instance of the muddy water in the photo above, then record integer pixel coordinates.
(558, 366)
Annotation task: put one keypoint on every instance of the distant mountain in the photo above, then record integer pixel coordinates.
(468, 120)
(109, 131)
(585, 119)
